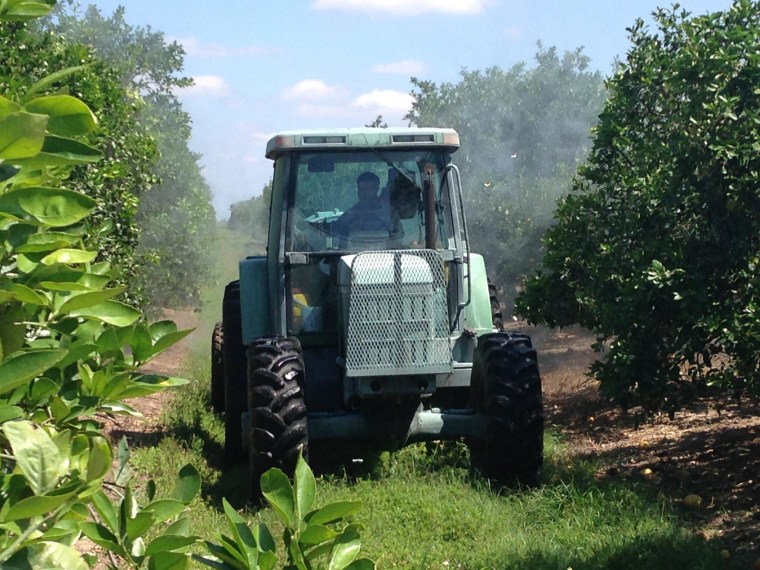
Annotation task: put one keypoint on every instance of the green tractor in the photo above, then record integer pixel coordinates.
(370, 321)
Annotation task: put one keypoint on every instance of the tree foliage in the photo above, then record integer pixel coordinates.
(173, 216)
(657, 248)
(68, 349)
(124, 174)
(523, 133)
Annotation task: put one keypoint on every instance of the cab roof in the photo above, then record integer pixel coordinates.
(358, 138)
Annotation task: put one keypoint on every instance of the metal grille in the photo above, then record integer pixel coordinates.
(398, 314)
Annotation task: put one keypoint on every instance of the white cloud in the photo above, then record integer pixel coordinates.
(403, 7)
(309, 90)
(194, 47)
(207, 86)
(384, 101)
(405, 67)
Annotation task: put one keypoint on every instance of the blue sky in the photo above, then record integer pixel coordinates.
(267, 66)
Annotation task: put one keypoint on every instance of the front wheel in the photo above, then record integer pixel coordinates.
(276, 407)
(507, 390)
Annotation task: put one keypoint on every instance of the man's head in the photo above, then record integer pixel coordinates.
(367, 186)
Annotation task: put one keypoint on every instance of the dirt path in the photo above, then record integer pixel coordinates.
(169, 363)
(711, 450)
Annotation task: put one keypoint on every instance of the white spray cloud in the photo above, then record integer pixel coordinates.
(405, 67)
(403, 7)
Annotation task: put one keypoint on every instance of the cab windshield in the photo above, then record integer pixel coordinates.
(368, 200)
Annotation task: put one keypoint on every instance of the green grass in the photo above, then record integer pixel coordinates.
(423, 508)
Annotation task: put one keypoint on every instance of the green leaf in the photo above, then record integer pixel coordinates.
(35, 506)
(106, 510)
(168, 561)
(361, 564)
(103, 537)
(27, 295)
(316, 534)
(59, 151)
(69, 257)
(188, 484)
(346, 548)
(55, 556)
(37, 455)
(48, 241)
(264, 538)
(22, 368)
(7, 106)
(305, 488)
(277, 490)
(8, 413)
(110, 312)
(54, 207)
(68, 116)
(23, 10)
(168, 543)
(88, 299)
(52, 78)
(140, 524)
(164, 509)
(22, 135)
(100, 459)
(242, 535)
(333, 512)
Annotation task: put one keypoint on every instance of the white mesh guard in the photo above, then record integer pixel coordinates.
(398, 314)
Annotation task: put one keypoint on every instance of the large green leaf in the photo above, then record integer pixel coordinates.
(69, 257)
(100, 458)
(188, 484)
(47, 241)
(52, 78)
(68, 116)
(304, 488)
(23, 10)
(346, 548)
(333, 512)
(22, 368)
(35, 506)
(277, 490)
(22, 135)
(111, 312)
(53, 207)
(168, 561)
(246, 544)
(37, 455)
(55, 556)
(7, 106)
(88, 299)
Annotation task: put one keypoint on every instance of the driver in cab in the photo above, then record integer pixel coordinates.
(370, 214)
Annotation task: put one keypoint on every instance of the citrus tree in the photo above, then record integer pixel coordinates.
(69, 351)
(658, 246)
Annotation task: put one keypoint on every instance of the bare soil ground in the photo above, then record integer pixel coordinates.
(711, 450)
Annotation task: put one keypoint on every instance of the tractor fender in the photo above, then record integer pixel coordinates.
(477, 313)
(255, 312)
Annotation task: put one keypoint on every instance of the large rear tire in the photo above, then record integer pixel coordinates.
(276, 406)
(507, 390)
(235, 389)
(217, 369)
